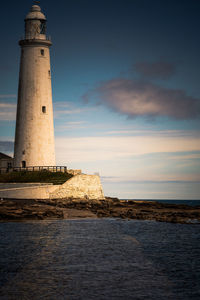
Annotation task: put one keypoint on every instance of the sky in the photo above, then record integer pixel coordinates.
(126, 93)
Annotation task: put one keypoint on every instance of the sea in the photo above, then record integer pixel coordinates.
(99, 259)
(171, 201)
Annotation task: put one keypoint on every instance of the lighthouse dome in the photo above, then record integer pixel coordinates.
(35, 13)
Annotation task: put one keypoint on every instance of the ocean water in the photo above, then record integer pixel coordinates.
(187, 202)
(99, 259)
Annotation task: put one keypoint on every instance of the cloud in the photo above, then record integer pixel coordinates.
(127, 180)
(62, 104)
(133, 158)
(135, 98)
(87, 149)
(6, 146)
(155, 70)
(8, 96)
(58, 113)
(186, 156)
(161, 133)
(64, 108)
(7, 111)
(71, 125)
(61, 109)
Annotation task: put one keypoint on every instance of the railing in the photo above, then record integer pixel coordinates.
(23, 37)
(62, 169)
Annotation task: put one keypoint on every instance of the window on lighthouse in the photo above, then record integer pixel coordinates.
(44, 109)
(42, 27)
(42, 52)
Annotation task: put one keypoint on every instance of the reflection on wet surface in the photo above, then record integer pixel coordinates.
(99, 259)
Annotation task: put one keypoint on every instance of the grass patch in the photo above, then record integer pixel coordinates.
(36, 176)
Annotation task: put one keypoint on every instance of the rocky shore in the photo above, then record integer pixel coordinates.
(22, 210)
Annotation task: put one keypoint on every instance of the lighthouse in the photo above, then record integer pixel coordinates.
(34, 133)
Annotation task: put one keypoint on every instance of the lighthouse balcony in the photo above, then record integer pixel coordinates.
(38, 37)
(34, 41)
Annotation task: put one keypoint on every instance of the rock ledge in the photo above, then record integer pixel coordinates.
(20, 210)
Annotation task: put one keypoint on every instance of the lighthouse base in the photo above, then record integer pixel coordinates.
(79, 186)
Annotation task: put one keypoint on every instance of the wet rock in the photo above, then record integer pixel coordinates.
(109, 207)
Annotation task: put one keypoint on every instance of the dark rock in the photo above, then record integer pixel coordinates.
(109, 207)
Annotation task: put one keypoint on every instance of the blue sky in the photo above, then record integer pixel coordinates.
(125, 79)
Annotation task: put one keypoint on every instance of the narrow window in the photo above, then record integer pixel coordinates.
(43, 26)
(23, 152)
(49, 73)
(44, 109)
(42, 52)
(23, 164)
(9, 165)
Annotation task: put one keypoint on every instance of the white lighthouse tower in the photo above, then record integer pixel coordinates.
(34, 135)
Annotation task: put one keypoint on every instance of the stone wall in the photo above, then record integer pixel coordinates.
(80, 186)
(12, 185)
(74, 172)
(28, 192)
